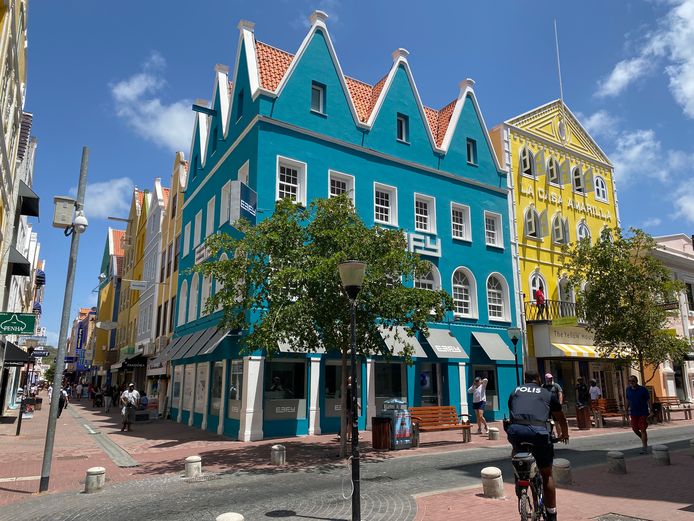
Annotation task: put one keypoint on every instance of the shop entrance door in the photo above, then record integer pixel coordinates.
(429, 384)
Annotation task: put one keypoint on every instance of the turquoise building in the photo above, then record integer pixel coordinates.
(293, 125)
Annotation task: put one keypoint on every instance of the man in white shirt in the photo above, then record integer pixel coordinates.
(129, 400)
(595, 391)
(479, 400)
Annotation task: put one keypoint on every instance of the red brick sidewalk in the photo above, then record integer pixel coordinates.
(161, 446)
(648, 491)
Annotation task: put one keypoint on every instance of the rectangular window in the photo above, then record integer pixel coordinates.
(424, 213)
(385, 204)
(235, 389)
(285, 381)
(186, 239)
(403, 131)
(216, 398)
(162, 274)
(158, 320)
(197, 232)
(225, 203)
(388, 380)
(460, 222)
(164, 318)
(471, 151)
(172, 310)
(318, 98)
(239, 105)
(340, 184)
(169, 261)
(690, 295)
(291, 180)
(492, 230)
(177, 253)
(209, 218)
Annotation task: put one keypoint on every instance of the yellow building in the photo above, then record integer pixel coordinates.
(168, 281)
(563, 191)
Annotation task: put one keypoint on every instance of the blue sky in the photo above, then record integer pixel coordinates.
(120, 78)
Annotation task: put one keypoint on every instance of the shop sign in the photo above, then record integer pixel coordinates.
(17, 323)
(423, 244)
(571, 335)
(40, 353)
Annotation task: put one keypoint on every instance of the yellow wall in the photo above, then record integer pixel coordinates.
(105, 314)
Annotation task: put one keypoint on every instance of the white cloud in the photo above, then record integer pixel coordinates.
(138, 104)
(637, 156)
(52, 338)
(653, 221)
(668, 46)
(107, 198)
(683, 201)
(601, 123)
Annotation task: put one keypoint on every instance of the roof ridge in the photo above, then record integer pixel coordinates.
(273, 47)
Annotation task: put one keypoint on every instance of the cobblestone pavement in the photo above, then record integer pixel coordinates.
(297, 493)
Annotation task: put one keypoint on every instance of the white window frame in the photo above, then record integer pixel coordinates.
(205, 293)
(560, 225)
(393, 208)
(405, 137)
(193, 298)
(320, 88)
(197, 230)
(243, 172)
(505, 299)
(499, 233)
(600, 189)
(526, 158)
(467, 224)
(301, 169)
(557, 179)
(225, 203)
(471, 150)
(182, 303)
(431, 212)
(581, 189)
(435, 278)
(536, 276)
(186, 239)
(582, 225)
(532, 216)
(346, 178)
(209, 218)
(472, 293)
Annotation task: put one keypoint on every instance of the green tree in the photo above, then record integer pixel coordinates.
(50, 373)
(624, 297)
(285, 287)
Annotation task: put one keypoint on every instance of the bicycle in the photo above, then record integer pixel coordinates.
(527, 475)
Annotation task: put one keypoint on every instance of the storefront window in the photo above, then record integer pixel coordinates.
(428, 384)
(236, 380)
(216, 401)
(188, 386)
(388, 380)
(285, 381)
(201, 387)
(176, 394)
(333, 389)
(488, 372)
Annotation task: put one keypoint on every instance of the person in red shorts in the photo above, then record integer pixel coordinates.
(638, 403)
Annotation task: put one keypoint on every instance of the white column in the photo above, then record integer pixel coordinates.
(205, 412)
(223, 404)
(314, 406)
(251, 428)
(370, 391)
(182, 387)
(192, 404)
(463, 387)
(163, 395)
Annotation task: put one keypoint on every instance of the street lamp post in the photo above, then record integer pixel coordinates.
(514, 334)
(352, 277)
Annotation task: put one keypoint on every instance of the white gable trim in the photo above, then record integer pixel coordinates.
(247, 41)
(204, 127)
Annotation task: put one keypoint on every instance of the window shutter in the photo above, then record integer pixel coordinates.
(588, 180)
(539, 163)
(544, 225)
(565, 173)
(530, 222)
(565, 229)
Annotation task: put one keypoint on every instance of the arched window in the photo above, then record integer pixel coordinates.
(600, 188)
(582, 231)
(205, 293)
(430, 280)
(553, 171)
(182, 301)
(464, 293)
(218, 284)
(560, 230)
(578, 180)
(193, 299)
(527, 163)
(567, 298)
(497, 298)
(537, 281)
(532, 223)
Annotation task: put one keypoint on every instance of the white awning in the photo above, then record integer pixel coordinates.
(397, 345)
(444, 344)
(494, 346)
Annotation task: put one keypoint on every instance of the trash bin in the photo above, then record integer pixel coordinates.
(583, 417)
(401, 423)
(39, 403)
(380, 433)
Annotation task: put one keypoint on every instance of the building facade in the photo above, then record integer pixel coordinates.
(563, 191)
(293, 125)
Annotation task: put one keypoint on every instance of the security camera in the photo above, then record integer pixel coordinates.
(102, 277)
(80, 222)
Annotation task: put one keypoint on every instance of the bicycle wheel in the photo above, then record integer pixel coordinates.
(538, 500)
(524, 507)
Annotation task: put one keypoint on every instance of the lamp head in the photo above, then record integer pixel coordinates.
(514, 334)
(352, 277)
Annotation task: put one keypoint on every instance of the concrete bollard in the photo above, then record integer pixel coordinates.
(278, 455)
(661, 455)
(96, 477)
(561, 470)
(193, 466)
(691, 448)
(616, 463)
(492, 483)
(493, 433)
(229, 516)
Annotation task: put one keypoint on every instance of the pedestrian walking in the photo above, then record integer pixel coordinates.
(79, 391)
(638, 403)
(62, 401)
(595, 391)
(554, 388)
(129, 400)
(50, 394)
(108, 398)
(479, 399)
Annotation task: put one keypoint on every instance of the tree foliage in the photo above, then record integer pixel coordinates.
(623, 297)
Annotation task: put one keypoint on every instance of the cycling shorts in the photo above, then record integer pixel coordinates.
(542, 449)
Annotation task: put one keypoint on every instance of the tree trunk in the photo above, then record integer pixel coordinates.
(345, 421)
(642, 370)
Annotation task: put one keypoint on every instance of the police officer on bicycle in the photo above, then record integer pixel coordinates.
(530, 408)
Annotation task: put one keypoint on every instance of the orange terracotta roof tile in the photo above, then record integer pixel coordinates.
(360, 93)
(165, 192)
(117, 238)
(272, 64)
(433, 119)
(445, 115)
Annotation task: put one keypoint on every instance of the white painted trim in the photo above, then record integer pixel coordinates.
(462, 375)
(204, 126)
(302, 177)
(248, 40)
(371, 392)
(506, 296)
(474, 304)
(605, 199)
(205, 412)
(500, 232)
(533, 274)
(191, 414)
(223, 403)
(432, 212)
(314, 405)
(393, 190)
(344, 177)
(466, 209)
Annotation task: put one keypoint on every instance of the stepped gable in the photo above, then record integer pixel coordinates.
(165, 193)
(273, 64)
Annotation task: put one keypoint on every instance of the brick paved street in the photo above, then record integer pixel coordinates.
(317, 478)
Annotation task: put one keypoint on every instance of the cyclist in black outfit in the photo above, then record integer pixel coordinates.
(530, 407)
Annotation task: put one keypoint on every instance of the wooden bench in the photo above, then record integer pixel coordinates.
(607, 408)
(439, 418)
(672, 404)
